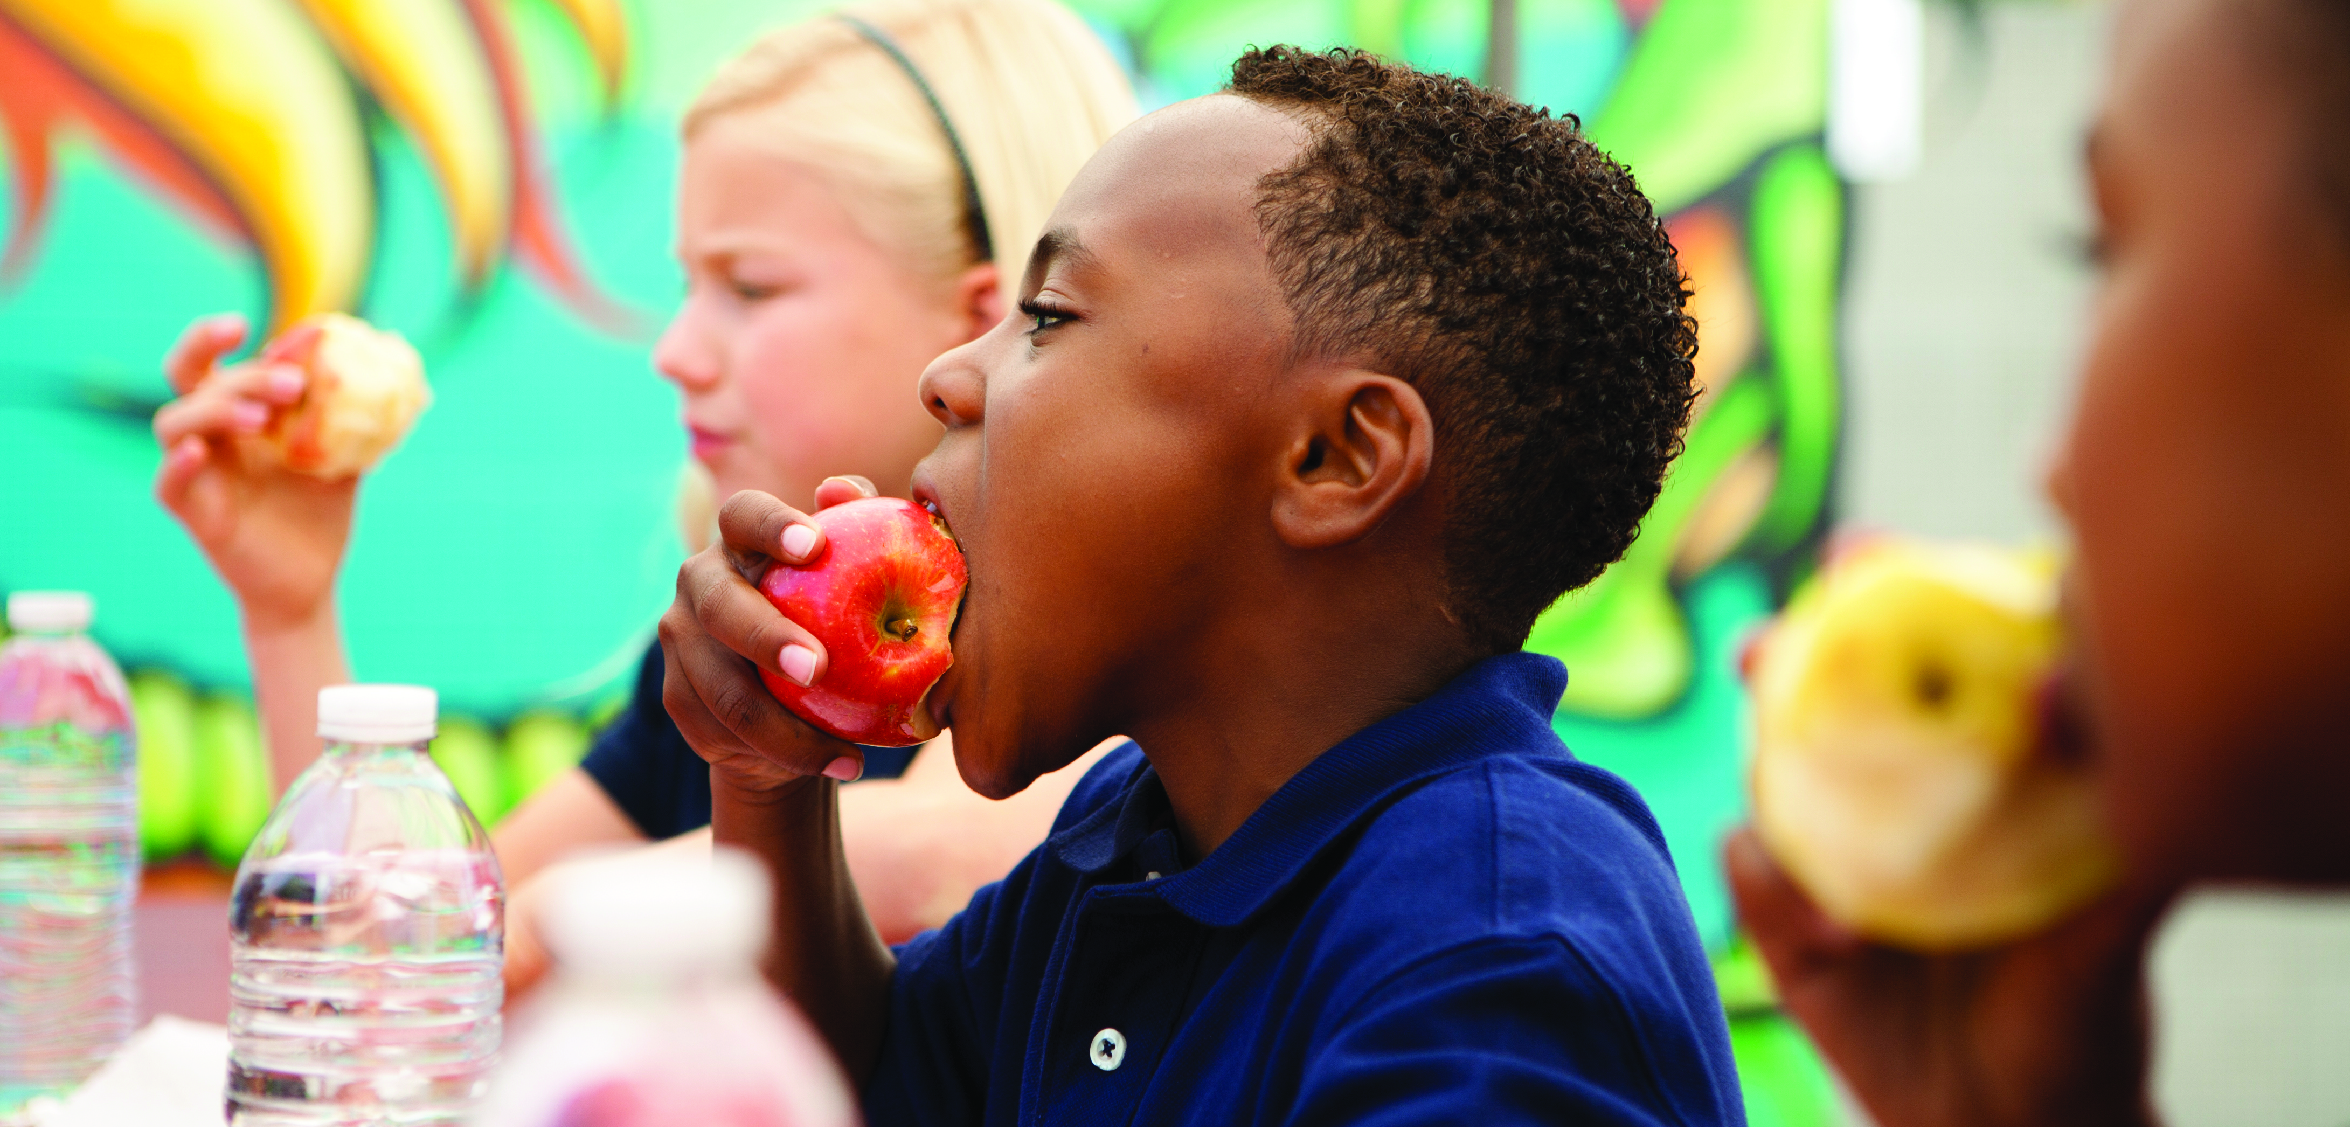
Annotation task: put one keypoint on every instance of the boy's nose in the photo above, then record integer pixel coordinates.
(953, 387)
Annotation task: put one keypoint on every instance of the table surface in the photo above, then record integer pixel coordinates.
(180, 936)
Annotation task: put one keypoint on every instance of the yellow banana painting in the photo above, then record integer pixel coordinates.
(423, 61)
(244, 113)
(605, 31)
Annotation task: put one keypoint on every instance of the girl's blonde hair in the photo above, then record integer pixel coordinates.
(1031, 90)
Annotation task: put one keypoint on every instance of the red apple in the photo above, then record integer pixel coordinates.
(881, 596)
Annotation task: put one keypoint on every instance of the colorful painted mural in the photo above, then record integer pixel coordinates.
(167, 159)
(494, 178)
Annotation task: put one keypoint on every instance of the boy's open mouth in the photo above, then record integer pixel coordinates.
(927, 497)
(941, 704)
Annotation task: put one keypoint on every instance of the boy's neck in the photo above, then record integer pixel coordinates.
(1283, 677)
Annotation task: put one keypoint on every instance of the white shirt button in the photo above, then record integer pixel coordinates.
(1109, 1050)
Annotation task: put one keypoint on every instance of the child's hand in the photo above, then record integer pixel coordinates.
(721, 631)
(2049, 1029)
(276, 537)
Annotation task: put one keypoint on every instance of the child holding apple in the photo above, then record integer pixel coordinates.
(2203, 478)
(1320, 391)
(839, 228)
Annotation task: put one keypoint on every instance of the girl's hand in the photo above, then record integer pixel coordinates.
(721, 633)
(276, 537)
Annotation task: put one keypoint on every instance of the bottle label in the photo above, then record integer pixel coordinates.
(63, 747)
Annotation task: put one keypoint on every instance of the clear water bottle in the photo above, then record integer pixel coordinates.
(367, 934)
(656, 1015)
(69, 851)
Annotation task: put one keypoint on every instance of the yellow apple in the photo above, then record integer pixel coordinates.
(1901, 774)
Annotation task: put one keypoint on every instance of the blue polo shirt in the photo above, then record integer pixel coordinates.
(1445, 919)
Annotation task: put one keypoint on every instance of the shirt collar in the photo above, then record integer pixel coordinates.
(1501, 705)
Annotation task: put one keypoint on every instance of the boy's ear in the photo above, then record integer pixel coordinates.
(979, 296)
(1363, 447)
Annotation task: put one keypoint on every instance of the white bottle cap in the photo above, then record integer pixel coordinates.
(377, 714)
(48, 611)
(656, 913)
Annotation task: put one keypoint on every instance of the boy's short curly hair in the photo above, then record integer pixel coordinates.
(1489, 255)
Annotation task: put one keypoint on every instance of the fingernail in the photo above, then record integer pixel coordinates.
(249, 416)
(799, 664)
(285, 381)
(798, 541)
(844, 768)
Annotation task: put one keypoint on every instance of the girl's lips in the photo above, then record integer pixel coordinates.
(706, 443)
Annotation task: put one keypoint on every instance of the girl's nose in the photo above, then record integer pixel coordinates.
(684, 355)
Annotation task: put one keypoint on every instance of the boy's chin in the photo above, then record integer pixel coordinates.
(995, 761)
(985, 770)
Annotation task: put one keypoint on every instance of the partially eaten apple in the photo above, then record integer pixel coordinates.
(881, 596)
(365, 388)
(1904, 773)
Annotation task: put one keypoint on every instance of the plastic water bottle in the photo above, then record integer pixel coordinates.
(656, 1015)
(69, 851)
(367, 934)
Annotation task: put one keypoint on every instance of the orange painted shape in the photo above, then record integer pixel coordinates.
(539, 239)
(603, 26)
(41, 96)
(1721, 294)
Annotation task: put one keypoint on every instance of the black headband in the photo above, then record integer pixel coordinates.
(974, 217)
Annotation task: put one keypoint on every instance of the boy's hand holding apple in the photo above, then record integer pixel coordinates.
(758, 693)
(720, 641)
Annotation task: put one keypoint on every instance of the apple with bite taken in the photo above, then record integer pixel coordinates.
(881, 595)
(363, 388)
(1906, 771)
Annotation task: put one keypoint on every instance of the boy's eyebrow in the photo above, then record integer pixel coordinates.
(1060, 243)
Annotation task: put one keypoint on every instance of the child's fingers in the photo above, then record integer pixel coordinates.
(182, 461)
(209, 416)
(703, 731)
(204, 342)
(270, 382)
(842, 488)
(755, 527)
(720, 706)
(725, 608)
(1790, 931)
(238, 400)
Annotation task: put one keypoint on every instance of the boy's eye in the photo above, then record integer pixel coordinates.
(2091, 249)
(1042, 316)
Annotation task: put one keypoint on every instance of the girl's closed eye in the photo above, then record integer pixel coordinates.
(1043, 315)
(749, 289)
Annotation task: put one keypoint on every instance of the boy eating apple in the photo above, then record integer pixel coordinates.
(1320, 391)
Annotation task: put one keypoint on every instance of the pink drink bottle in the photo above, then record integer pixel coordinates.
(656, 1014)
